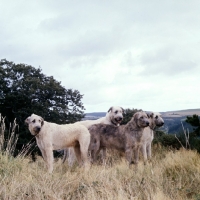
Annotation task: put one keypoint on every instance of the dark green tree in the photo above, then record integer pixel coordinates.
(128, 114)
(25, 90)
(194, 121)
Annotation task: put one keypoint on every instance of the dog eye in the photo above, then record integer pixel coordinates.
(33, 121)
(156, 117)
(116, 112)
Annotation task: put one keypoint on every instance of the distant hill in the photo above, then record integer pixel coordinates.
(181, 113)
(170, 114)
(173, 119)
(94, 115)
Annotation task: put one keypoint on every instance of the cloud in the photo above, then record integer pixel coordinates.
(133, 54)
(168, 61)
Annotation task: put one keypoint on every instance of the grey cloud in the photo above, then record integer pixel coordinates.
(167, 62)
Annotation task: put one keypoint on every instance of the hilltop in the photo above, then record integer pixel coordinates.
(178, 113)
(173, 119)
(181, 113)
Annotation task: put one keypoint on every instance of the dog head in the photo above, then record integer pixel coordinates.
(115, 114)
(141, 119)
(34, 123)
(155, 119)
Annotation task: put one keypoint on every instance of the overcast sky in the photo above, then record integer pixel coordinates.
(134, 54)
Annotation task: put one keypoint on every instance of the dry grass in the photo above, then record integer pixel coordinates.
(170, 175)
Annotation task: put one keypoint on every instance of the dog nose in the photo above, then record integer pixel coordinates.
(38, 129)
(147, 123)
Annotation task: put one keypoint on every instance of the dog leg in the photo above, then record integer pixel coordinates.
(104, 156)
(94, 154)
(128, 154)
(136, 155)
(49, 161)
(78, 154)
(144, 153)
(65, 155)
(95, 149)
(148, 149)
(43, 154)
(71, 156)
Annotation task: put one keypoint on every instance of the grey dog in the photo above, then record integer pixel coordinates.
(125, 138)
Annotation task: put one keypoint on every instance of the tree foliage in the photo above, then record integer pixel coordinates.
(25, 90)
(128, 114)
(194, 121)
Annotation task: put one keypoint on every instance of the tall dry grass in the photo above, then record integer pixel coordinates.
(170, 175)
(8, 142)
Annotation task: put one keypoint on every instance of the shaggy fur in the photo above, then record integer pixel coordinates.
(155, 119)
(51, 136)
(114, 116)
(125, 138)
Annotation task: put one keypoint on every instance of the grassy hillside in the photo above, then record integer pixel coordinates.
(170, 175)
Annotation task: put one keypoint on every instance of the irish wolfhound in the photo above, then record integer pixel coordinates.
(125, 138)
(51, 136)
(155, 119)
(114, 116)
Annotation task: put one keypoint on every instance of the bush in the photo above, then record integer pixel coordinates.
(167, 140)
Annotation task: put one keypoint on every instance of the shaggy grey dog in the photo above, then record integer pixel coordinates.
(125, 138)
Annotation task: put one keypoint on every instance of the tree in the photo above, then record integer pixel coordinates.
(128, 114)
(194, 121)
(25, 90)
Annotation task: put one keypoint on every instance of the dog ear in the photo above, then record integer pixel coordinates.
(123, 111)
(27, 121)
(135, 117)
(149, 114)
(42, 123)
(110, 109)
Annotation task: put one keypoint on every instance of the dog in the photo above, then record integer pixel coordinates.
(155, 120)
(114, 116)
(125, 138)
(51, 136)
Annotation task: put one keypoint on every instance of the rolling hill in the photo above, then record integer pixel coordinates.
(174, 120)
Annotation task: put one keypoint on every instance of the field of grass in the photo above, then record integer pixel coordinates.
(170, 175)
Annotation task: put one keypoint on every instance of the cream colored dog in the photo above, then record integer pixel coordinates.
(51, 136)
(114, 116)
(155, 119)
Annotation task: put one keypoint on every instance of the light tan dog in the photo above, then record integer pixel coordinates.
(155, 119)
(51, 136)
(114, 116)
